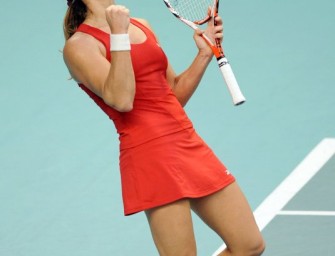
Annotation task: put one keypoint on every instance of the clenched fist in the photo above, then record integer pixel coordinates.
(118, 19)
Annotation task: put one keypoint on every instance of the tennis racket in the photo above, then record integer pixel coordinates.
(199, 12)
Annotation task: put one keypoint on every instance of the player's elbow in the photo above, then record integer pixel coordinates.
(121, 99)
(127, 107)
(124, 104)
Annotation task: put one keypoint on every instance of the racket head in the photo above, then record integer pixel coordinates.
(196, 11)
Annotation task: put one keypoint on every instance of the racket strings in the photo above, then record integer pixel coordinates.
(192, 10)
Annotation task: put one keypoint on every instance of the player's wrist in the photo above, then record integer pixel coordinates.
(206, 53)
(119, 42)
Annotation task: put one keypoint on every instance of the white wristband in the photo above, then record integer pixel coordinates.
(119, 42)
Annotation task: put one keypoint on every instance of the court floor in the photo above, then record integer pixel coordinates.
(298, 217)
(60, 191)
(305, 224)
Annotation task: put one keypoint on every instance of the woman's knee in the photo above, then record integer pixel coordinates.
(252, 247)
(255, 247)
(258, 247)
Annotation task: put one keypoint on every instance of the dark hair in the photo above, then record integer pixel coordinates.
(75, 15)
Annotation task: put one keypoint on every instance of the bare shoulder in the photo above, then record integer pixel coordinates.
(78, 52)
(144, 22)
(79, 44)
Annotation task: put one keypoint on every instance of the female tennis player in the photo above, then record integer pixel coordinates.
(167, 170)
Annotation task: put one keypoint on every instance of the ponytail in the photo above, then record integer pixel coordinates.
(75, 15)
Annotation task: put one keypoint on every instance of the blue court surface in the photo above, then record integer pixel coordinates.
(60, 189)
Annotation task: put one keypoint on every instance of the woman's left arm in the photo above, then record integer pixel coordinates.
(185, 84)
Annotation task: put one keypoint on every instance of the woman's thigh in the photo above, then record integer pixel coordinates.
(228, 213)
(172, 229)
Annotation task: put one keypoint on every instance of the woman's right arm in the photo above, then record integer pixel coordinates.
(114, 82)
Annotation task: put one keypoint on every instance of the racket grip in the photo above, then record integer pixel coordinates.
(230, 80)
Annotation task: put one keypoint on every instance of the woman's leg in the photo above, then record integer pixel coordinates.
(228, 213)
(172, 229)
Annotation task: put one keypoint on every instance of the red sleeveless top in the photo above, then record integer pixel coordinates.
(162, 158)
(156, 111)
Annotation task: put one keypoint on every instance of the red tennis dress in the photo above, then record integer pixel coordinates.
(162, 159)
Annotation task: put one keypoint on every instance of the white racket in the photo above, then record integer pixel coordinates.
(198, 12)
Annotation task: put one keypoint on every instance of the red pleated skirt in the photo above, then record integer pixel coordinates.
(169, 168)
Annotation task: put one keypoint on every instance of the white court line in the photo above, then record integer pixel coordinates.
(293, 183)
(312, 163)
(307, 213)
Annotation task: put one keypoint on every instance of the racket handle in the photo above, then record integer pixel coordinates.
(230, 80)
